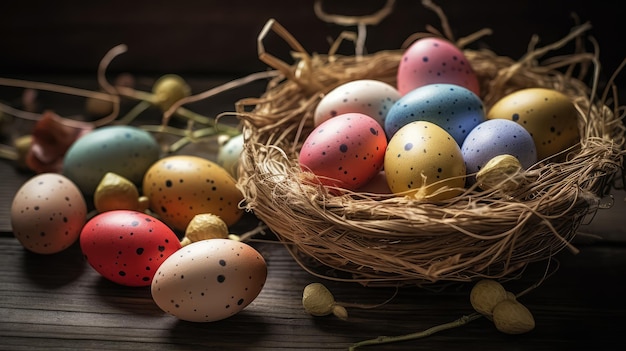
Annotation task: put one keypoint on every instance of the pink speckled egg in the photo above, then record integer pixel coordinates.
(48, 213)
(435, 60)
(345, 151)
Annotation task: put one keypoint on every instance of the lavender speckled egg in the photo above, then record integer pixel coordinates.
(345, 151)
(496, 137)
(435, 60)
(367, 96)
(424, 162)
(124, 150)
(47, 213)
(209, 280)
(452, 107)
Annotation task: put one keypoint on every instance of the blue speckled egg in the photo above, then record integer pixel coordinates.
(125, 150)
(452, 107)
(496, 137)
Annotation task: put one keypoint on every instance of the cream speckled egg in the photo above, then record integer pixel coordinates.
(48, 213)
(422, 160)
(547, 114)
(182, 186)
(209, 280)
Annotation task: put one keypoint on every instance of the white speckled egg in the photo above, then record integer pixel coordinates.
(209, 280)
(370, 97)
(452, 107)
(549, 116)
(124, 150)
(229, 153)
(423, 161)
(496, 137)
(181, 186)
(435, 60)
(48, 213)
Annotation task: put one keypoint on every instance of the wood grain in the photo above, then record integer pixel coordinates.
(60, 302)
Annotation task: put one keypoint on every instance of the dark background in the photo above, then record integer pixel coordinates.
(219, 37)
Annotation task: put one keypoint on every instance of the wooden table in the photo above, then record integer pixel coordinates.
(58, 302)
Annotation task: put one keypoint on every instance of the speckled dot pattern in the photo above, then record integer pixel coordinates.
(435, 60)
(423, 157)
(367, 96)
(345, 151)
(548, 115)
(47, 213)
(124, 150)
(182, 186)
(127, 247)
(497, 137)
(454, 108)
(209, 280)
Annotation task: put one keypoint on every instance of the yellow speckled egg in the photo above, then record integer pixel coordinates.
(547, 114)
(182, 186)
(422, 160)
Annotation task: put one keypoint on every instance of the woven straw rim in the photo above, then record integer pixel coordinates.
(379, 239)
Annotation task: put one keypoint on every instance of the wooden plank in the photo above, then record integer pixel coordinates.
(60, 302)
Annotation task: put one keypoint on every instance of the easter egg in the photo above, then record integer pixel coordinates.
(229, 153)
(127, 247)
(497, 137)
(209, 280)
(423, 161)
(435, 60)
(124, 150)
(345, 151)
(181, 186)
(547, 114)
(452, 107)
(47, 213)
(367, 96)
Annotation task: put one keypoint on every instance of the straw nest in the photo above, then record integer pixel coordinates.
(392, 240)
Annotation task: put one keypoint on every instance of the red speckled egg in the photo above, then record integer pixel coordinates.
(127, 247)
(346, 151)
(435, 60)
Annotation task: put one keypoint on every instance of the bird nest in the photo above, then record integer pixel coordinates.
(383, 239)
